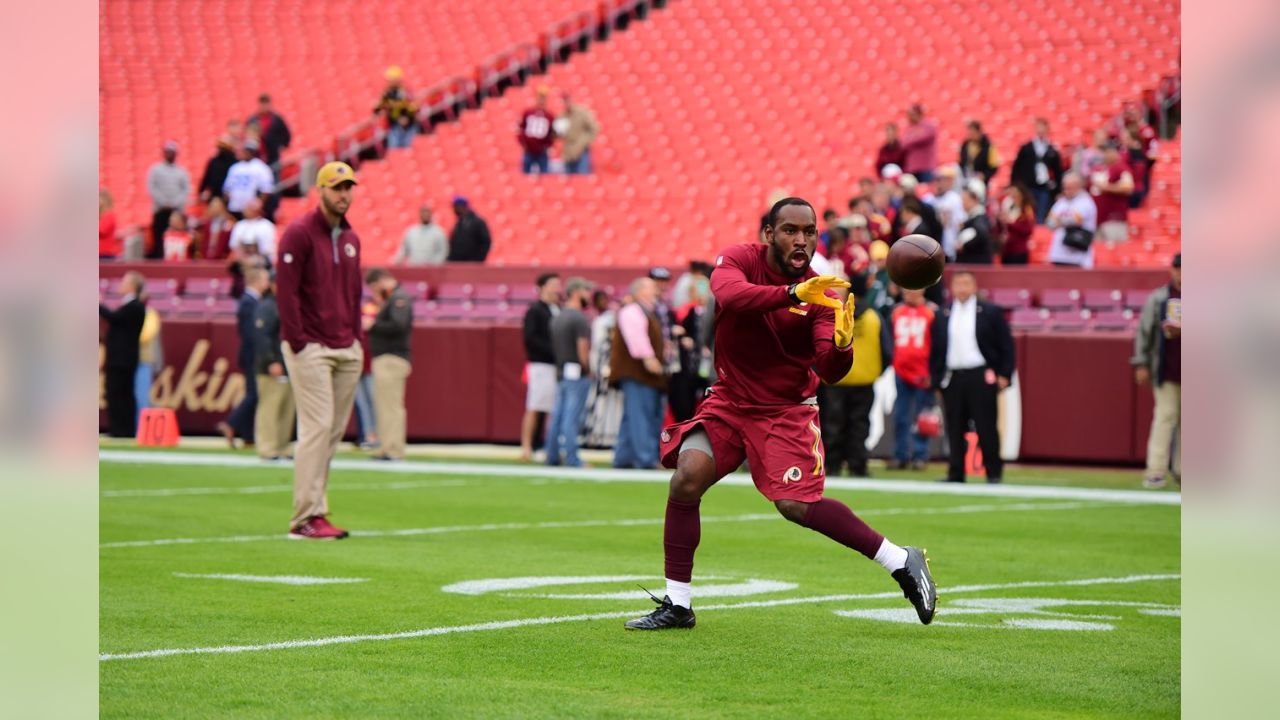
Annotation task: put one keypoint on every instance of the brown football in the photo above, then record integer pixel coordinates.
(915, 262)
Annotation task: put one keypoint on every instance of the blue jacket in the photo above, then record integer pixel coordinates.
(246, 328)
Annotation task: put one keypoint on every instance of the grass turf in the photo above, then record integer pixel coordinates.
(794, 660)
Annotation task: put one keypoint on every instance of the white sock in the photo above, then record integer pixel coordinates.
(681, 593)
(890, 556)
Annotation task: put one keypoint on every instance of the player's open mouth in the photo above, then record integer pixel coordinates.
(798, 259)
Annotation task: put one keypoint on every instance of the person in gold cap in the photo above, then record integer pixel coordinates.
(535, 134)
(318, 295)
(399, 110)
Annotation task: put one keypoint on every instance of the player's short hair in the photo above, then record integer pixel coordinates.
(545, 278)
(969, 273)
(777, 207)
(376, 274)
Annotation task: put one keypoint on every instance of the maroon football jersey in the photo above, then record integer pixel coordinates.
(767, 348)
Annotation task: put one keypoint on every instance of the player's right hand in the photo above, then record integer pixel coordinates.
(814, 290)
(844, 325)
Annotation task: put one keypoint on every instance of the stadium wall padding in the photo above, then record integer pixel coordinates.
(1079, 402)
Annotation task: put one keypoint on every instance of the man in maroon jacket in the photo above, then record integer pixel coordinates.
(536, 135)
(777, 321)
(319, 288)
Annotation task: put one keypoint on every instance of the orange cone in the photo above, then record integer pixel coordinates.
(158, 427)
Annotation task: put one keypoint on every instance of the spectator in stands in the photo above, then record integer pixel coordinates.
(978, 157)
(273, 422)
(1111, 189)
(1145, 143)
(248, 179)
(878, 226)
(470, 240)
(636, 367)
(424, 242)
(535, 134)
(845, 407)
(698, 273)
(150, 360)
(398, 110)
(1135, 156)
(170, 187)
(1015, 224)
(571, 348)
(177, 241)
(924, 217)
(911, 321)
(239, 423)
(662, 277)
(949, 206)
(541, 370)
(120, 366)
(920, 143)
(366, 415)
(882, 293)
(272, 129)
(109, 246)
(1074, 219)
(1157, 359)
(891, 152)
(578, 128)
(1038, 166)
(974, 243)
(212, 237)
(390, 333)
(971, 361)
(1089, 159)
(216, 169)
(254, 235)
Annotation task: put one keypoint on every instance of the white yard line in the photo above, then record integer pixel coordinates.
(560, 524)
(554, 620)
(609, 475)
(276, 579)
(261, 489)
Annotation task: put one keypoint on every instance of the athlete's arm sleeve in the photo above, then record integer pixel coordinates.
(830, 362)
(735, 293)
(292, 261)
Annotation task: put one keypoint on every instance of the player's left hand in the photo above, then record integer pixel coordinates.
(844, 325)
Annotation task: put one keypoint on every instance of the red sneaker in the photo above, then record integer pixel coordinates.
(317, 528)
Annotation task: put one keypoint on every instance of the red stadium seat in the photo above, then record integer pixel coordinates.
(1060, 299)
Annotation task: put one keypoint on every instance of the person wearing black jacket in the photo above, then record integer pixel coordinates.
(470, 240)
(390, 332)
(1038, 166)
(541, 397)
(971, 361)
(272, 129)
(974, 243)
(977, 157)
(274, 420)
(215, 171)
(124, 327)
(240, 421)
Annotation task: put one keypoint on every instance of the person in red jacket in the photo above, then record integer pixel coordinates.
(779, 329)
(911, 321)
(108, 244)
(536, 135)
(891, 152)
(1016, 223)
(318, 294)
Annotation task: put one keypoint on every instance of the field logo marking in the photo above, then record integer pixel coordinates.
(1042, 618)
(560, 619)
(277, 579)
(749, 586)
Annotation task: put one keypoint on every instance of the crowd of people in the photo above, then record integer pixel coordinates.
(1083, 195)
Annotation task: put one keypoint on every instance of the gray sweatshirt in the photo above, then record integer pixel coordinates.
(169, 186)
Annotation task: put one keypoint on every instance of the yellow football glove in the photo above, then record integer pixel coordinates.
(814, 290)
(844, 325)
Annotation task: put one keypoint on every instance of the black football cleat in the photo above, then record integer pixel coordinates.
(666, 616)
(917, 584)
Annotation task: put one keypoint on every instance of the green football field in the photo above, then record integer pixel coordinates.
(473, 590)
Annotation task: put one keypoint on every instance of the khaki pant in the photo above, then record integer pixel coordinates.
(1166, 431)
(324, 387)
(389, 375)
(273, 422)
